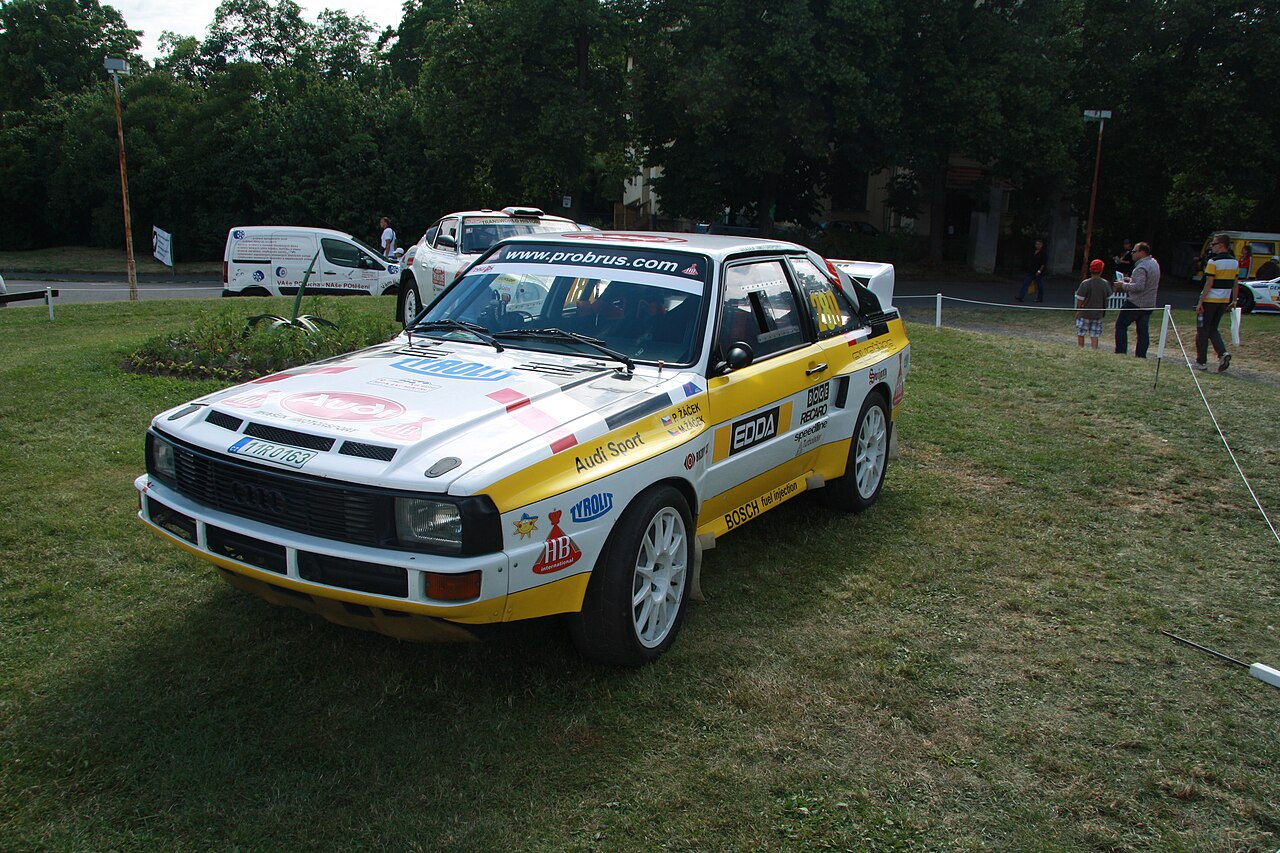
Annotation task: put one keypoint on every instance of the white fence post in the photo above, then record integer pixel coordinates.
(48, 298)
(1164, 331)
(937, 314)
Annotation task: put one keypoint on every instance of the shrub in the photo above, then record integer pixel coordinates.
(220, 345)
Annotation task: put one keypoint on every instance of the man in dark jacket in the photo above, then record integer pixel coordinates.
(1035, 272)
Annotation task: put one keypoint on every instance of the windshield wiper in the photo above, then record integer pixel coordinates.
(574, 337)
(454, 326)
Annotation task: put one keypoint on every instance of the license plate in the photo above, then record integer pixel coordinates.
(277, 453)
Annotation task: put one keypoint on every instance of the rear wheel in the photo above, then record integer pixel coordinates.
(411, 303)
(635, 601)
(1245, 300)
(864, 473)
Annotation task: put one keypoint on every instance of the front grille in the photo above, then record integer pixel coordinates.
(179, 524)
(367, 451)
(223, 420)
(287, 436)
(354, 574)
(332, 511)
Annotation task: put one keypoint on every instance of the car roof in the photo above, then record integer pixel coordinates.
(511, 213)
(716, 246)
(322, 232)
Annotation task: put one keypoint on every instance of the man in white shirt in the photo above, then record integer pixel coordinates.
(388, 243)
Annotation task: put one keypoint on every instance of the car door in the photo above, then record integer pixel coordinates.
(444, 262)
(756, 409)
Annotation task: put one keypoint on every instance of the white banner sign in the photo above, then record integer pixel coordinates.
(162, 246)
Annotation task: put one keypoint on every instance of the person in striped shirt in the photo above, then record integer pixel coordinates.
(1221, 288)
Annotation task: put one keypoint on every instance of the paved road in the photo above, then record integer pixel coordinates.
(1059, 291)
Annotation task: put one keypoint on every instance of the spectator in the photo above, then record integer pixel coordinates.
(1035, 272)
(1140, 291)
(1091, 302)
(387, 242)
(1246, 263)
(1221, 287)
(1124, 260)
(1270, 270)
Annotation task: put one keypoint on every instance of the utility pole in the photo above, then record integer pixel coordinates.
(116, 68)
(1100, 116)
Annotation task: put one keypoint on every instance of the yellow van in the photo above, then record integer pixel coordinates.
(1262, 247)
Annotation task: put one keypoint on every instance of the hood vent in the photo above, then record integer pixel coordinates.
(367, 451)
(575, 369)
(288, 436)
(223, 420)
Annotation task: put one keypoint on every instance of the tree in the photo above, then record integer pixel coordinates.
(50, 47)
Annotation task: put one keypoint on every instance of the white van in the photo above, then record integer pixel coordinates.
(270, 260)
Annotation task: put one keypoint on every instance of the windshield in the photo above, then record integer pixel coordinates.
(480, 233)
(646, 305)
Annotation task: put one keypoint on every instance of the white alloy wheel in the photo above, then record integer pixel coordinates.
(661, 572)
(411, 303)
(872, 452)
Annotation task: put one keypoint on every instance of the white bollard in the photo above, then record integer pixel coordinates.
(937, 314)
(48, 298)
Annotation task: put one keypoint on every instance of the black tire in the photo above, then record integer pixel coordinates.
(635, 602)
(868, 460)
(410, 301)
(1245, 300)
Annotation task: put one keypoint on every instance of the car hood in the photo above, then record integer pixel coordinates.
(421, 415)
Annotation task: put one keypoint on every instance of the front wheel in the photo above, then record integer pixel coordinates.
(1245, 300)
(864, 473)
(635, 601)
(411, 303)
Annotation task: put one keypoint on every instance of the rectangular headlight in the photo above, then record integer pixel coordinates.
(162, 462)
(436, 524)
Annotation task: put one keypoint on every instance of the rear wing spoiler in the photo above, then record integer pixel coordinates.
(878, 278)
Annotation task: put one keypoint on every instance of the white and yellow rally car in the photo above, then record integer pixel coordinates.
(564, 431)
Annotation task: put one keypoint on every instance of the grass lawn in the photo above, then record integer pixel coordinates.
(84, 259)
(973, 664)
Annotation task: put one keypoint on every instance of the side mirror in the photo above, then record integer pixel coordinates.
(445, 241)
(738, 357)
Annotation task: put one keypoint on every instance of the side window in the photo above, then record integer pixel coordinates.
(831, 310)
(340, 253)
(759, 309)
(448, 227)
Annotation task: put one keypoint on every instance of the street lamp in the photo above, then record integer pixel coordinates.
(1100, 116)
(118, 68)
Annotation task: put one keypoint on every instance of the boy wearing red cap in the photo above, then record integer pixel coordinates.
(1091, 301)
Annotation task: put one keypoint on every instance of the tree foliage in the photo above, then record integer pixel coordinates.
(749, 105)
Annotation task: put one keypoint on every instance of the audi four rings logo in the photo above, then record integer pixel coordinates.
(257, 497)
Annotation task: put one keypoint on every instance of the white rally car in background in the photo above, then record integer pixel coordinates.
(454, 241)
(1259, 295)
(571, 451)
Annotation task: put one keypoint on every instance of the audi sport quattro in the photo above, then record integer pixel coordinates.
(564, 431)
(454, 241)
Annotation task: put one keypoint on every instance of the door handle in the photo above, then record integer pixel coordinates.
(817, 369)
(330, 272)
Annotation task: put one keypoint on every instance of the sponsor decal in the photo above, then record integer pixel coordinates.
(816, 413)
(897, 389)
(342, 406)
(754, 507)
(560, 551)
(753, 430)
(251, 400)
(874, 376)
(420, 386)
(393, 269)
(437, 277)
(237, 234)
(626, 238)
(692, 269)
(612, 450)
(407, 431)
(691, 389)
(482, 269)
(281, 272)
(694, 458)
(258, 275)
(819, 394)
(452, 368)
(809, 437)
(526, 524)
(592, 507)
(742, 514)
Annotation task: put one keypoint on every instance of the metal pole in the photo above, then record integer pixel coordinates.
(937, 314)
(1093, 199)
(130, 268)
